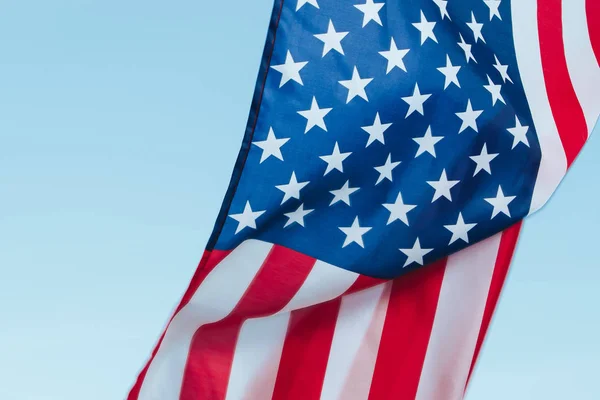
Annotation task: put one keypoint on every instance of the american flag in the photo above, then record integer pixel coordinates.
(392, 149)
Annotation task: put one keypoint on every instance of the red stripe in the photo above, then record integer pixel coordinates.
(592, 9)
(565, 106)
(209, 260)
(306, 348)
(408, 323)
(306, 351)
(364, 282)
(211, 352)
(508, 242)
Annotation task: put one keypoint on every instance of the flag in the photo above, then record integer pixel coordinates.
(391, 151)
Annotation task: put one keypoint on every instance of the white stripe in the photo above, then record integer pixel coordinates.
(256, 359)
(210, 303)
(553, 165)
(258, 350)
(358, 381)
(457, 321)
(325, 282)
(355, 316)
(581, 61)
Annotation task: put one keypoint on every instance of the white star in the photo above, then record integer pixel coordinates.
(427, 143)
(426, 29)
(271, 146)
(246, 219)
(476, 27)
(450, 73)
(520, 133)
(443, 6)
(494, 91)
(416, 254)
(466, 48)
(442, 187)
(290, 70)
(503, 69)
(399, 210)
(460, 230)
(500, 203)
(376, 131)
(494, 8)
(335, 160)
(415, 102)
(332, 40)
(303, 2)
(342, 194)
(385, 171)
(483, 160)
(370, 11)
(395, 57)
(469, 118)
(297, 216)
(314, 116)
(354, 233)
(292, 189)
(356, 86)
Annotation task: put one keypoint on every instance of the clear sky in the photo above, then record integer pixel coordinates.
(120, 122)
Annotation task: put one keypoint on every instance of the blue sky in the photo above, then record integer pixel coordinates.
(119, 126)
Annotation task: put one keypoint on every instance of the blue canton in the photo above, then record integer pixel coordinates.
(390, 134)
